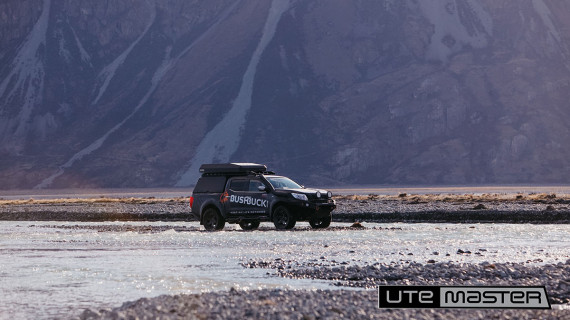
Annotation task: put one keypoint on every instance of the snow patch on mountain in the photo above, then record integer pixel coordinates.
(109, 71)
(223, 140)
(160, 72)
(85, 57)
(25, 82)
(167, 64)
(63, 51)
(456, 24)
(545, 14)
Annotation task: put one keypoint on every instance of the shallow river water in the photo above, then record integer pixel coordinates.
(56, 269)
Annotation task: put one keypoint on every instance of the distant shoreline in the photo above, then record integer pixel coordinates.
(80, 193)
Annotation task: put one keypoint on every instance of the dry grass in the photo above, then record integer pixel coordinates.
(487, 197)
(150, 200)
(403, 197)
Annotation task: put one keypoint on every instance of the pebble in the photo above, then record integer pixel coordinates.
(293, 304)
(351, 304)
(444, 273)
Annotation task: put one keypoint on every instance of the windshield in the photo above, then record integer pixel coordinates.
(283, 183)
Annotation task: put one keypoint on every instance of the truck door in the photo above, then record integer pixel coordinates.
(260, 197)
(244, 198)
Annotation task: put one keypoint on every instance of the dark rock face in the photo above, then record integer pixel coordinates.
(135, 93)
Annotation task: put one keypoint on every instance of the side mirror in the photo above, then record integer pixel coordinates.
(261, 188)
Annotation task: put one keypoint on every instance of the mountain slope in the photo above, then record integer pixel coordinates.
(139, 93)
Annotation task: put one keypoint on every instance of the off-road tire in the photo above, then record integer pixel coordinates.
(213, 220)
(321, 223)
(249, 225)
(283, 218)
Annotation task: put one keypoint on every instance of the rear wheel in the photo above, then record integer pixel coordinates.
(321, 223)
(249, 225)
(213, 220)
(283, 219)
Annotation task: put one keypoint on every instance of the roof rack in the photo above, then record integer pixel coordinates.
(232, 168)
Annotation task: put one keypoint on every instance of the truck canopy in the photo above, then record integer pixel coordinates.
(211, 184)
(232, 168)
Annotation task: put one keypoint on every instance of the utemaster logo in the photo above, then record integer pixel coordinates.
(484, 297)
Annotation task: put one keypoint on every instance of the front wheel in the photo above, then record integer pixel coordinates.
(283, 219)
(249, 225)
(213, 220)
(321, 223)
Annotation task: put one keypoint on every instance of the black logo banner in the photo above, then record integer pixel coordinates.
(484, 297)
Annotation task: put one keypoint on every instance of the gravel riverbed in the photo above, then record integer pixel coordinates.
(288, 304)
(353, 304)
(556, 278)
(352, 294)
(542, 208)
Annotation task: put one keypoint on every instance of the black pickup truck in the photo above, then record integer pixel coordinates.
(246, 193)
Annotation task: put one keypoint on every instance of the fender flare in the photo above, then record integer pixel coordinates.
(210, 203)
(281, 203)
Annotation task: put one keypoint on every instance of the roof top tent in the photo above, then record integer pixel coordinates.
(232, 168)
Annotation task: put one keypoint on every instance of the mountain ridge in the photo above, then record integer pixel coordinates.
(124, 93)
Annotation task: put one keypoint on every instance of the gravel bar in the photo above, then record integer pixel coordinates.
(555, 277)
(352, 304)
(97, 212)
(294, 304)
(349, 209)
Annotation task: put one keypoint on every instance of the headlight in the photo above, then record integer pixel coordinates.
(318, 194)
(300, 196)
(329, 194)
